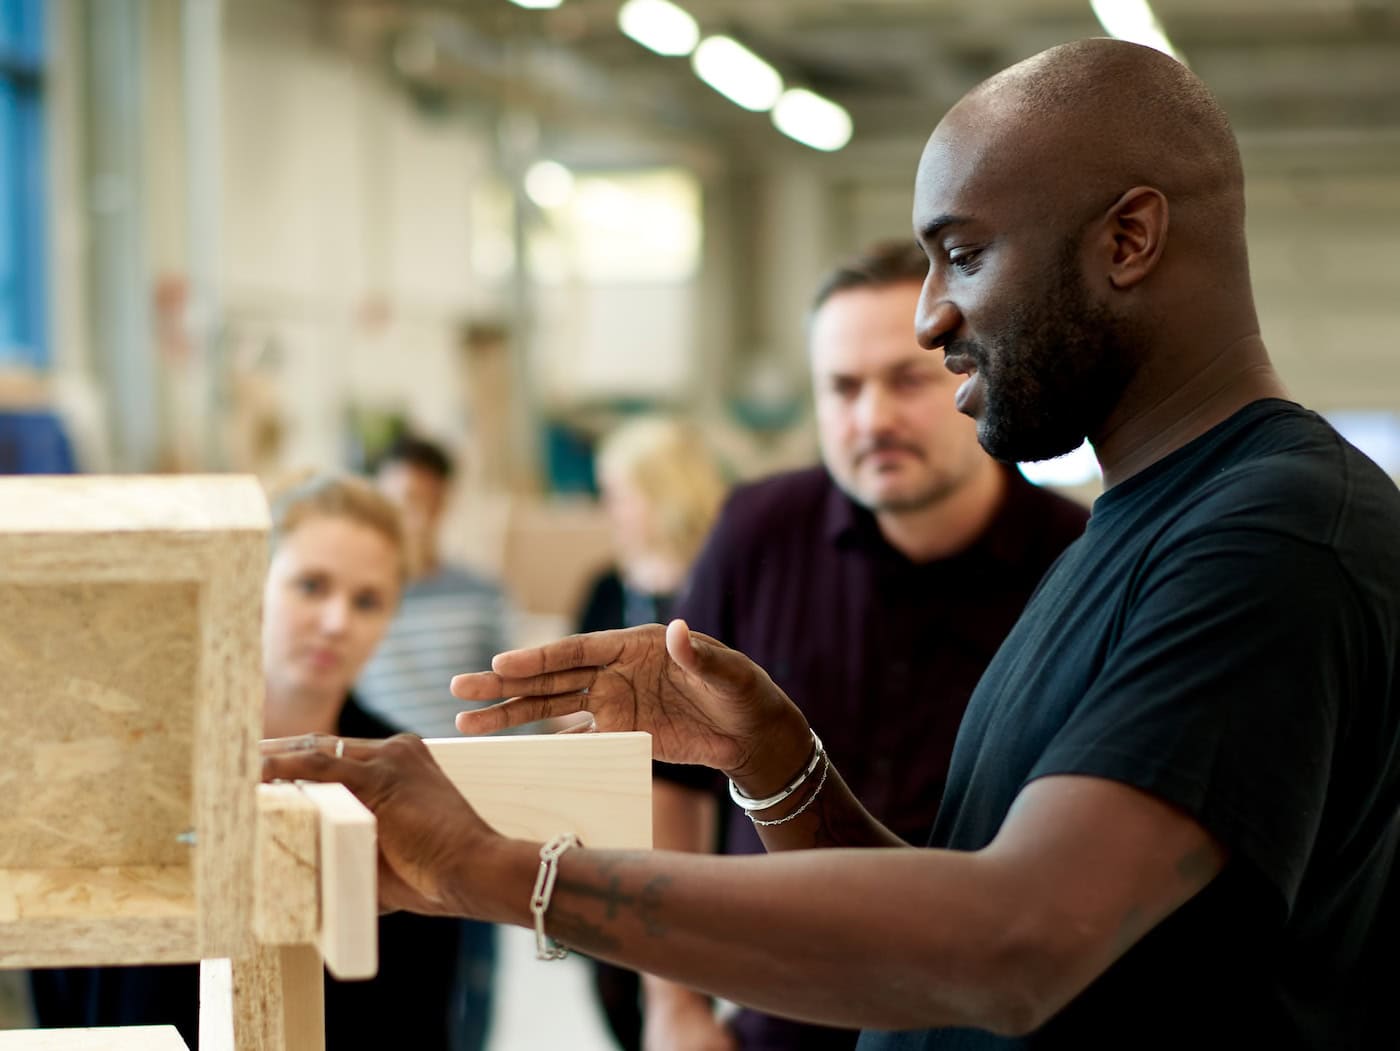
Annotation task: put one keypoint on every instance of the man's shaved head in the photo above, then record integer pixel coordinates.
(1074, 208)
(1089, 119)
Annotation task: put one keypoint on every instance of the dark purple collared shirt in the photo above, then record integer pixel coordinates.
(880, 653)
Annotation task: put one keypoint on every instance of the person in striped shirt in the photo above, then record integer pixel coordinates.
(451, 619)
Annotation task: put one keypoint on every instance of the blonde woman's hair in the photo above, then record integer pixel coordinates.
(672, 467)
(337, 496)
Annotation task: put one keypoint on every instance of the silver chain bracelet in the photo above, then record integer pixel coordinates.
(544, 891)
(826, 767)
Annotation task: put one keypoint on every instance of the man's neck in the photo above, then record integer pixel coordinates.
(1144, 430)
(948, 525)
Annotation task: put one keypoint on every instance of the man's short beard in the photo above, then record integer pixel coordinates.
(1055, 375)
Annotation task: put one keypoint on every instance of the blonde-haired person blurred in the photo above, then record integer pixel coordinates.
(335, 573)
(663, 489)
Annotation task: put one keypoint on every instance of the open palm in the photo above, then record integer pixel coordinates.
(702, 702)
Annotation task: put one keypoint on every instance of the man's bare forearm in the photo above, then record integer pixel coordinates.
(778, 934)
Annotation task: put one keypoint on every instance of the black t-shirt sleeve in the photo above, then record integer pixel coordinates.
(1222, 693)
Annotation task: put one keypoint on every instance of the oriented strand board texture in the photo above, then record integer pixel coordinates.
(97, 694)
(597, 786)
(270, 1000)
(131, 1038)
(131, 695)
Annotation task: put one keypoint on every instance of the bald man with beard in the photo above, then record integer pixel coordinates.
(1171, 817)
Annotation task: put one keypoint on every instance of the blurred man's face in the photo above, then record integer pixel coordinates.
(420, 496)
(890, 433)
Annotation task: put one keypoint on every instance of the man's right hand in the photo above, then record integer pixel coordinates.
(682, 1020)
(702, 702)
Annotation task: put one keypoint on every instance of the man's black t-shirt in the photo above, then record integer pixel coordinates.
(1225, 637)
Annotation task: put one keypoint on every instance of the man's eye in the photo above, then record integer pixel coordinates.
(965, 260)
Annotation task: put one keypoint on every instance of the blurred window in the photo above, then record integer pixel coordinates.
(22, 209)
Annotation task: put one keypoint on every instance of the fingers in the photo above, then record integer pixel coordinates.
(330, 744)
(577, 651)
(489, 686)
(518, 711)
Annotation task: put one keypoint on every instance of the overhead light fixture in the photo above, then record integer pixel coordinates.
(549, 184)
(536, 4)
(737, 73)
(812, 120)
(1134, 21)
(659, 25)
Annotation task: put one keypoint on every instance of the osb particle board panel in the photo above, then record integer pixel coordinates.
(131, 1038)
(595, 785)
(98, 685)
(130, 688)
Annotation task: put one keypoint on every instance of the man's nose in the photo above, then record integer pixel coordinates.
(935, 323)
(875, 408)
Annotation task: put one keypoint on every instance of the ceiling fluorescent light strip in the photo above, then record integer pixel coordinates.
(812, 120)
(737, 73)
(659, 25)
(1134, 21)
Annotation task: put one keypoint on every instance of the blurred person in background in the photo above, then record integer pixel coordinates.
(450, 618)
(662, 489)
(334, 578)
(886, 576)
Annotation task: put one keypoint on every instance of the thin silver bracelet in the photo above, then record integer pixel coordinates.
(826, 768)
(748, 804)
(544, 891)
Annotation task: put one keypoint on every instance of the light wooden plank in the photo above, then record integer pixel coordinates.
(85, 504)
(287, 884)
(129, 1038)
(597, 786)
(349, 882)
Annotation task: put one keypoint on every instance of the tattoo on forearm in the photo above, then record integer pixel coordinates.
(578, 932)
(607, 887)
(650, 912)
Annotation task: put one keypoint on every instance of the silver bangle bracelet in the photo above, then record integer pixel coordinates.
(749, 805)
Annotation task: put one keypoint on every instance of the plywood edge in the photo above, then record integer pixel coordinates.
(349, 938)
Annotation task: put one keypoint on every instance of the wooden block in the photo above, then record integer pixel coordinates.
(130, 1038)
(287, 890)
(597, 786)
(273, 999)
(130, 689)
(349, 882)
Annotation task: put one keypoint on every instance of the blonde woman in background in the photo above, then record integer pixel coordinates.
(662, 488)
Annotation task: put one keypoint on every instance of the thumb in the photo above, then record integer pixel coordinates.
(702, 658)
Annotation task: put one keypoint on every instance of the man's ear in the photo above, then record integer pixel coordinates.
(1136, 234)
